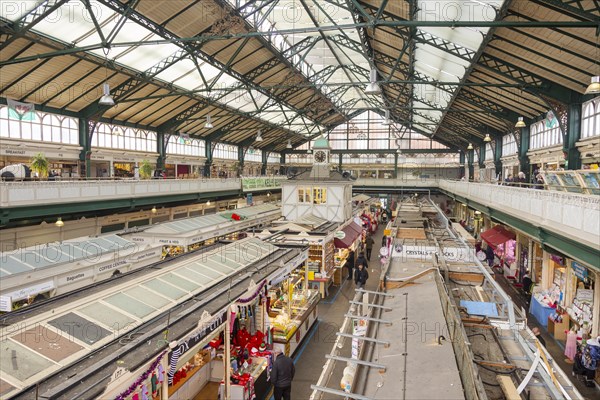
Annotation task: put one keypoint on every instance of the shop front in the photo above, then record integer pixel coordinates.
(503, 242)
(63, 159)
(184, 167)
(117, 164)
(347, 239)
(566, 298)
(291, 307)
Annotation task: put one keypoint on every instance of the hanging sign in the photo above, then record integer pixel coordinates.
(580, 271)
(586, 295)
(339, 235)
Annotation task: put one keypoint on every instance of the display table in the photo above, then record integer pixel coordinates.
(304, 321)
(540, 311)
(558, 329)
(321, 284)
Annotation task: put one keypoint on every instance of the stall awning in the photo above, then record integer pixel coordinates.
(352, 232)
(497, 235)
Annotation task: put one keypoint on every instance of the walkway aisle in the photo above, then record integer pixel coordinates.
(310, 358)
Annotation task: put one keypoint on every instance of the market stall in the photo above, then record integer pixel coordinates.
(185, 235)
(291, 308)
(346, 240)
(504, 244)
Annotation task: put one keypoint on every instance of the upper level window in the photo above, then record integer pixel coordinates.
(489, 153)
(274, 158)
(545, 133)
(124, 138)
(185, 146)
(509, 145)
(225, 151)
(253, 155)
(39, 126)
(590, 120)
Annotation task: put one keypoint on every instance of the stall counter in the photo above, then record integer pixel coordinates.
(294, 336)
(540, 311)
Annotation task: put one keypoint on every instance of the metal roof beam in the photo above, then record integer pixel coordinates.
(577, 8)
(19, 27)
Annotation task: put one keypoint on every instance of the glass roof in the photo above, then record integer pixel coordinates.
(123, 307)
(191, 225)
(81, 31)
(440, 65)
(295, 15)
(58, 254)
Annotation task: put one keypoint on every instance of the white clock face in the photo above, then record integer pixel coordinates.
(320, 156)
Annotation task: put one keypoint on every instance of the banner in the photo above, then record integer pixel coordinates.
(21, 111)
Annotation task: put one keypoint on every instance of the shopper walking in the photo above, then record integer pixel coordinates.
(369, 245)
(362, 260)
(360, 276)
(282, 375)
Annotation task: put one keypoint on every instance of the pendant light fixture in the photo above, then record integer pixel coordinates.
(59, 222)
(289, 144)
(520, 123)
(153, 210)
(470, 146)
(373, 86)
(258, 136)
(106, 99)
(208, 124)
(208, 202)
(487, 138)
(594, 87)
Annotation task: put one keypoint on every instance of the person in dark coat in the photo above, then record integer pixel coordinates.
(361, 260)
(360, 276)
(282, 375)
(349, 264)
(369, 245)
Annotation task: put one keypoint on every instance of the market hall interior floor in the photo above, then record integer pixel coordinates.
(310, 357)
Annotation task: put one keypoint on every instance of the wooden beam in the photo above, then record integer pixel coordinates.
(466, 276)
(508, 387)
(496, 364)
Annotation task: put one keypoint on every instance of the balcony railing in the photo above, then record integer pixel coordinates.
(38, 193)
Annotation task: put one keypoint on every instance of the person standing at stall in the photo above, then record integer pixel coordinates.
(369, 245)
(349, 264)
(282, 375)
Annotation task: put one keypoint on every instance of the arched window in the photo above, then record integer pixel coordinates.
(542, 134)
(184, 146)
(124, 138)
(590, 120)
(225, 151)
(509, 145)
(42, 127)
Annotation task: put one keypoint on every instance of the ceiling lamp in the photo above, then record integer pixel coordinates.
(208, 202)
(258, 136)
(387, 121)
(373, 86)
(153, 210)
(594, 87)
(487, 138)
(520, 123)
(106, 99)
(289, 144)
(208, 124)
(470, 146)
(59, 222)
